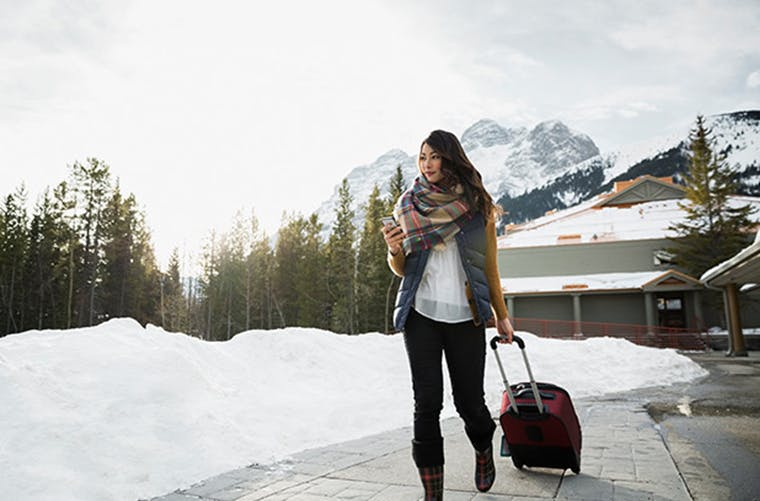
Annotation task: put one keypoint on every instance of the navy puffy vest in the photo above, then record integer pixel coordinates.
(471, 241)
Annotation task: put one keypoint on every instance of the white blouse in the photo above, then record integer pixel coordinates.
(441, 294)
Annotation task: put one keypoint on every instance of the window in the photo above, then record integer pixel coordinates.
(669, 303)
(673, 304)
(661, 256)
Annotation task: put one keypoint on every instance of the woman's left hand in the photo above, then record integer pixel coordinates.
(504, 328)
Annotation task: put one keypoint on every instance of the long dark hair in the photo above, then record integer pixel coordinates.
(457, 169)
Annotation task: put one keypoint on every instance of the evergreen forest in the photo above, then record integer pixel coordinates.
(82, 254)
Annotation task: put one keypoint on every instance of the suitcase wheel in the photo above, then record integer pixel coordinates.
(518, 464)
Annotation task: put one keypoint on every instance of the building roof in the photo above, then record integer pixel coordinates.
(743, 268)
(642, 189)
(621, 215)
(600, 282)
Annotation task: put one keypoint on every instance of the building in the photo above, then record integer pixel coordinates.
(606, 261)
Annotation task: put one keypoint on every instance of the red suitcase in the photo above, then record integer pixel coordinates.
(538, 431)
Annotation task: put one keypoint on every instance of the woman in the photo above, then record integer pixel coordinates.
(445, 249)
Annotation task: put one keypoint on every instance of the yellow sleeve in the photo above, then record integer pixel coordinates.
(492, 271)
(396, 263)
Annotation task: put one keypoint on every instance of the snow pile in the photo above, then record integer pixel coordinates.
(119, 411)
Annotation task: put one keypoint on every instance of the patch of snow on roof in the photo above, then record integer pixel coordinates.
(563, 283)
(644, 221)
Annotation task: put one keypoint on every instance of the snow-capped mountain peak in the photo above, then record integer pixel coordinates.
(486, 133)
(735, 135)
(554, 145)
(511, 161)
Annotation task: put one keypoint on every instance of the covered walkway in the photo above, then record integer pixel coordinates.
(740, 273)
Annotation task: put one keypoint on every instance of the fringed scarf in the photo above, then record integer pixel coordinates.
(430, 215)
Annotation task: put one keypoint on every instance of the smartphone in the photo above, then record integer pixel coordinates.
(386, 220)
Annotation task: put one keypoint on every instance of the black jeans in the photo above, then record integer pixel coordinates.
(464, 344)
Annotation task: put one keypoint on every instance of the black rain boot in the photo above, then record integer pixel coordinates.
(432, 481)
(485, 471)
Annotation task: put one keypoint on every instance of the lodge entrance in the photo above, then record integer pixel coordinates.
(671, 310)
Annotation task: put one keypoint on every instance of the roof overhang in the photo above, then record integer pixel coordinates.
(652, 189)
(672, 280)
(743, 268)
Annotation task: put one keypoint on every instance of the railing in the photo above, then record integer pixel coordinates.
(645, 335)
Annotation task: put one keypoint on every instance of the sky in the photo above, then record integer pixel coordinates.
(204, 109)
(120, 411)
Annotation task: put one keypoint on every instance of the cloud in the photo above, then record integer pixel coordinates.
(48, 52)
(626, 102)
(699, 30)
(753, 80)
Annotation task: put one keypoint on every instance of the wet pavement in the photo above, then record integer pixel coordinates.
(712, 427)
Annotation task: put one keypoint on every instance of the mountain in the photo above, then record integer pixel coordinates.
(735, 135)
(515, 160)
(362, 180)
(511, 162)
(486, 133)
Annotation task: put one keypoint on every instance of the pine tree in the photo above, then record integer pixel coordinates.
(372, 270)
(146, 284)
(714, 230)
(91, 182)
(262, 265)
(258, 288)
(341, 278)
(13, 248)
(34, 301)
(233, 274)
(299, 277)
(289, 257)
(117, 257)
(210, 287)
(252, 232)
(130, 282)
(66, 269)
(174, 310)
(223, 287)
(45, 265)
(206, 286)
(397, 187)
(312, 278)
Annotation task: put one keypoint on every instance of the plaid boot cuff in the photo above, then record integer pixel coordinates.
(432, 481)
(485, 471)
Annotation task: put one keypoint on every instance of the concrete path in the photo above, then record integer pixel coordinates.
(624, 457)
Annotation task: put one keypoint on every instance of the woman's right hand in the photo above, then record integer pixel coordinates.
(394, 236)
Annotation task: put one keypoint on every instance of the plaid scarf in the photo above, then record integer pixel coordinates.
(430, 215)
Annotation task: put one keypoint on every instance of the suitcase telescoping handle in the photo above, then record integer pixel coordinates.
(533, 385)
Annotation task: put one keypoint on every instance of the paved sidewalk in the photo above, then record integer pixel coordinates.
(624, 457)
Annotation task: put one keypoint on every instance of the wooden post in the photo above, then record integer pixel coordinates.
(649, 312)
(735, 334)
(577, 315)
